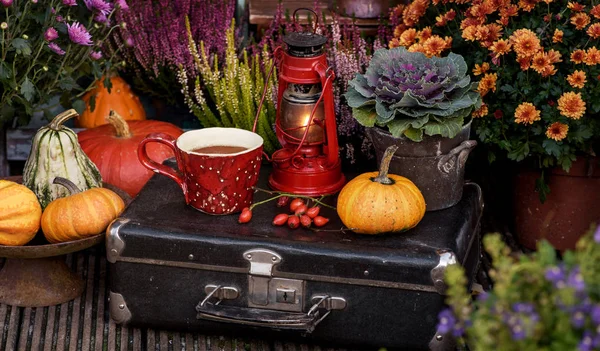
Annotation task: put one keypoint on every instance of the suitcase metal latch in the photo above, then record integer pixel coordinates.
(265, 291)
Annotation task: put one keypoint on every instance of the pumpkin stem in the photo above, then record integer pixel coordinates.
(73, 189)
(119, 124)
(382, 177)
(57, 122)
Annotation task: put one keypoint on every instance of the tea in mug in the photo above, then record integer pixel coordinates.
(219, 149)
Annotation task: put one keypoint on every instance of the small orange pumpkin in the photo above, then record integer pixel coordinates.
(376, 203)
(81, 214)
(20, 213)
(121, 99)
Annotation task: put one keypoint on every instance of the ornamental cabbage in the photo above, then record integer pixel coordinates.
(412, 94)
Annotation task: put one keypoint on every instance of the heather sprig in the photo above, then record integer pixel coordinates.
(48, 49)
(538, 301)
(155, 39)
(235, 88)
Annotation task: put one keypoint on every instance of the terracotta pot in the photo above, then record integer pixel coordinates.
(436, 164)
(568, 211)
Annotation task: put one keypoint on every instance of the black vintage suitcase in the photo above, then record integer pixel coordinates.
(174, 267)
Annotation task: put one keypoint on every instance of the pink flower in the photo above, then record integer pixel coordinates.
(6, 3)
(59, 18)
(54, 47)
(70, 2)
(101, 18)
(129, 42)
(96, 55)
(98, 5)
(50, 34)
(78, 34)
(122, 4)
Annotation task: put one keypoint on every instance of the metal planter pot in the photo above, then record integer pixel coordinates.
(436, 165)
(365, 8)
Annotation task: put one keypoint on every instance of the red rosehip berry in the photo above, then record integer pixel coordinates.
(293, 222)
(282, 201)
(245, 216)
(280, 219)
(305, 221)
(301, 210)
(313, 211)
(296, 203)
(320, 221)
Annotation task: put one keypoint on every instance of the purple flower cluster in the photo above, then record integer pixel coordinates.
(78, 34)
(521, 320)
(156, 35)
(447, 323)
(597, 235)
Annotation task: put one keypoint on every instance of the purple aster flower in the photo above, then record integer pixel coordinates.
(50, 34)
(523, 307)
(458, 331)
(78, 34)
(60, 18)
(578, 318)
(122, 4)
(518, 332)
(96, 55)
(129, 42)
(597, 235)
(100, 18)
(595, 314)
(575, 280)
(98, 5)
(52, 10)
(54, 47)
(447, 321)
(586, 342)
(556, 275)
(6, 3)
(70, 2)
(483, 296)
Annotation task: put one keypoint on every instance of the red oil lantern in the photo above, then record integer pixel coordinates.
(308, 162)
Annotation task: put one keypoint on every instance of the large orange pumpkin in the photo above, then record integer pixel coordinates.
(20, 214)
(378, 202)
(113, 148)
(120, 99)
(81, 214)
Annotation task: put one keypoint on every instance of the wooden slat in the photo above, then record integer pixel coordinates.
(13, 328)
(38, 327)
(49, 337)
(164, 341)
(89, 297)
(189, 342)
(150, 340)
(75, 315)
(4, 316)
(100, 322)
(25, 322)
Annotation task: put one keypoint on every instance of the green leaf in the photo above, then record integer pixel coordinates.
(21, 46)
(551, 147)
(365, 116)
(491, 157)
(448, 129)
(519, 153)
(5, 71)
(107, 83)
(79, 106)
(67, 83)
(414, 134)
(398, 126)
(92, 103)
(28, 90)
(541, 186)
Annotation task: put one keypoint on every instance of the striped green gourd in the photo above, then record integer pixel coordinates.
(55, 152)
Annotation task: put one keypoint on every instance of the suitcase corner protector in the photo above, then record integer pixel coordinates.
(114, 243)
(119, 312)
(446, 258)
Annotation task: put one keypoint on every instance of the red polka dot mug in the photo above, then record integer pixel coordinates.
(218, 167)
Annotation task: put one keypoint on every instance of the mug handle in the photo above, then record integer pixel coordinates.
(156, 167)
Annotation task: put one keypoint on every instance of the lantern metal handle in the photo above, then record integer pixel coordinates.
(276, 58)
(309, 10)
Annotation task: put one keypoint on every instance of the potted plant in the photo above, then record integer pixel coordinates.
(51, 48)
(538, 63)
(537, 302)
(423, 104)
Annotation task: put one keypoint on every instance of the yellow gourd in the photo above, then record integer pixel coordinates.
(378, 202)
(20, 214)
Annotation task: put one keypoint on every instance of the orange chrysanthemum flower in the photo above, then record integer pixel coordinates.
(440, 21)
(580, 20)
(577, 79)
(549, 70)
(548, 1)
(417, 48)
(469, 33)
(500, 47)
(540, 62)
(424, 34)
(592, 56)
(595, 11)
(578, 56)
(481, 69)
(577, 7)
(525, 43)
(527, 5)
(434, 46)
(524, 63)
(557, 131)
(509, 11)
(413, 12)
(407, 38)
(571, 105)
(526, 113)
(481, 112)
(450, 15)
(558, 36)
(554, 56)
(394, 43)
(487, 83)
(594, 30)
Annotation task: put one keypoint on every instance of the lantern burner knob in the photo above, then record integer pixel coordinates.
(305, 44)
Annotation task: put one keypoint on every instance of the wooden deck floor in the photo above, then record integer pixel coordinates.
(84, 323)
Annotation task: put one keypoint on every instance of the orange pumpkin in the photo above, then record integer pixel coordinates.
(113, 149)
(120, 99)
(378, 202)
(20, 213)
(81, 214)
